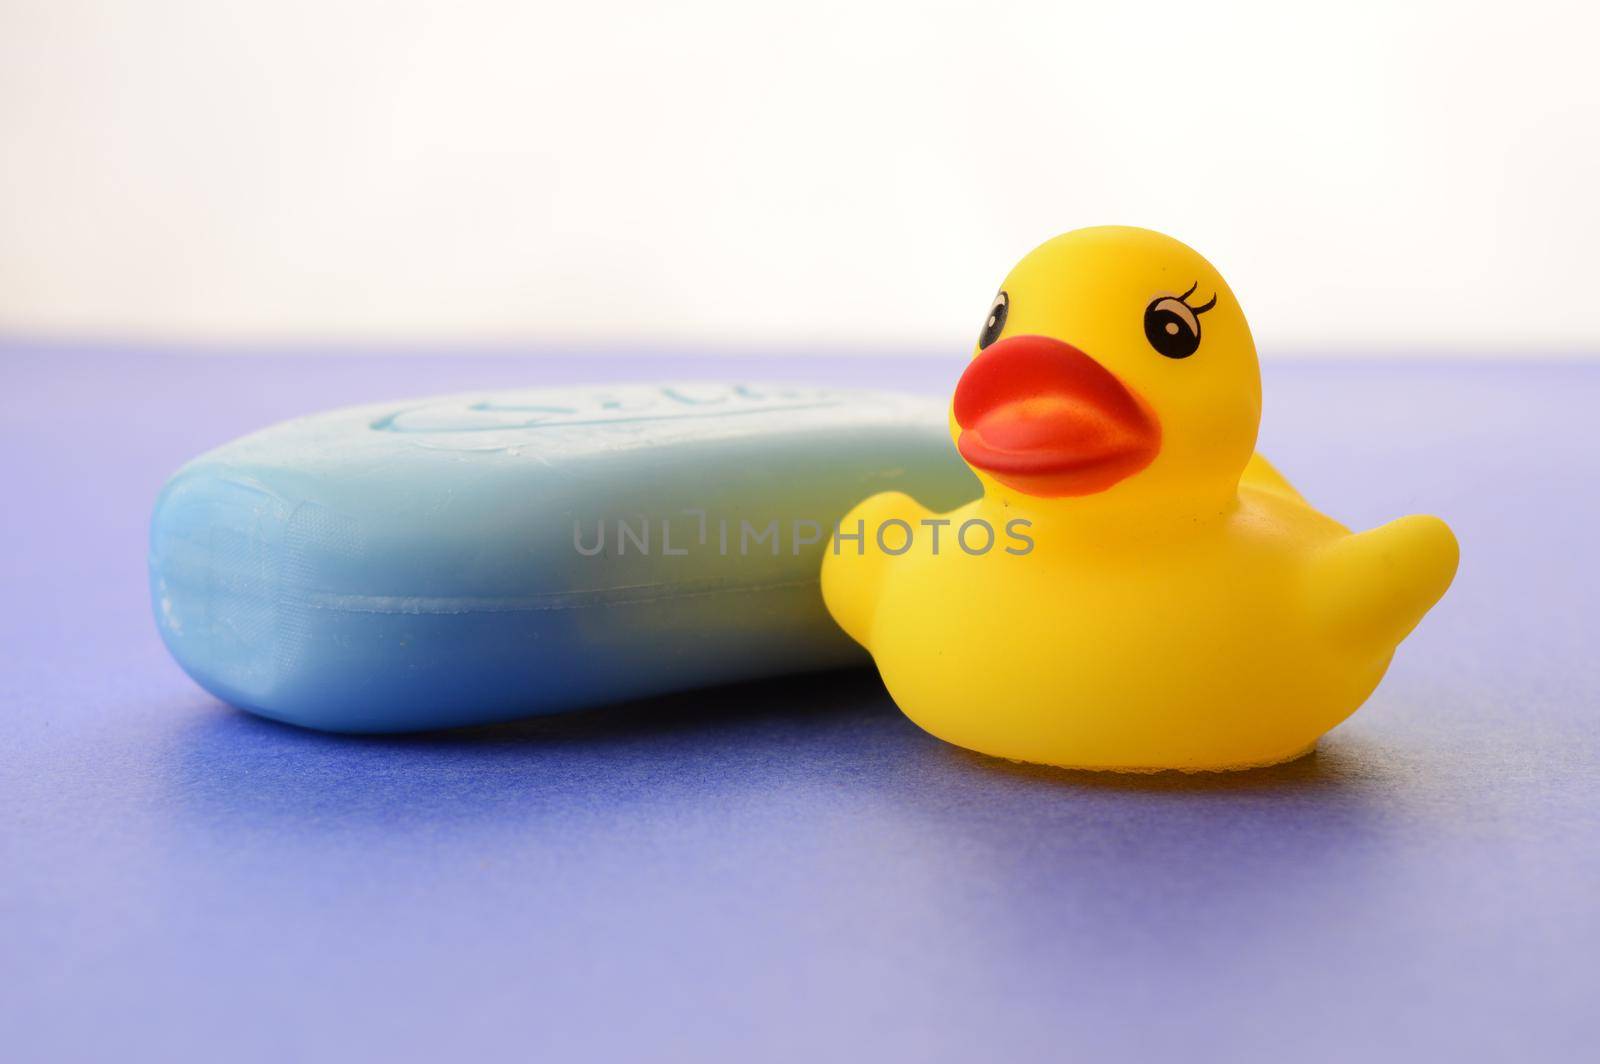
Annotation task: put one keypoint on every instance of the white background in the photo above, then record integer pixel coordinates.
(1372, 178)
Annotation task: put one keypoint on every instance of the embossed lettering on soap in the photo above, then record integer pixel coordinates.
(619, 406)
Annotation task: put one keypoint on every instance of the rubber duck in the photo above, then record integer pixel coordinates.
(1136, 589)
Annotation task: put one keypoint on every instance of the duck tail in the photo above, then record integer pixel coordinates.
(1372, 588)
(853, 568)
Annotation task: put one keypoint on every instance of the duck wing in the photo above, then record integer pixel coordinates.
(1264, 476)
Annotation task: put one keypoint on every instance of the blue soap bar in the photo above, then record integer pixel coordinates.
(479, 558)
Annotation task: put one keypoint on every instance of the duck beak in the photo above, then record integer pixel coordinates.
(1044, 418)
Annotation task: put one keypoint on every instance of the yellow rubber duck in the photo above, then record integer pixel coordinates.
(1136, 589)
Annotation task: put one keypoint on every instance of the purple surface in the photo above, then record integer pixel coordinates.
(792, 868)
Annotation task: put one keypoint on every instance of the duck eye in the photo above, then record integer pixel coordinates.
(1172, 327)
(996, 322)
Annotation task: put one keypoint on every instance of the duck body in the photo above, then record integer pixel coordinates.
(1210, 651)
(1197, 621)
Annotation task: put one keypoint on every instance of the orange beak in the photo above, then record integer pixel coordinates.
(1044, 418)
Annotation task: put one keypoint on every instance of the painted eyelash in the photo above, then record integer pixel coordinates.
(1184, 299)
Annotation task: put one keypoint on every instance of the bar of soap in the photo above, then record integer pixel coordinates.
(479, 558)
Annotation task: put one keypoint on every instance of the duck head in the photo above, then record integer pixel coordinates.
(1115, 369)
